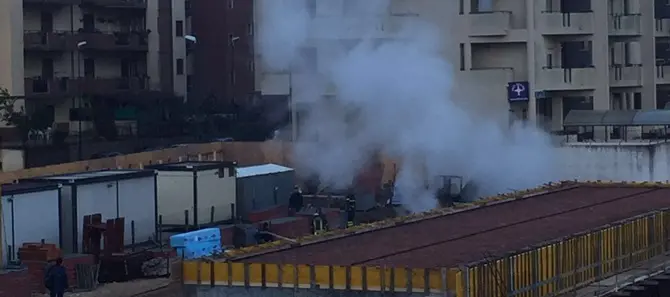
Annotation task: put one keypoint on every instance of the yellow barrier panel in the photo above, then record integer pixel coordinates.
(322, 276)
(569, 264)
(339, 277)
(288, 276)
(221, 275)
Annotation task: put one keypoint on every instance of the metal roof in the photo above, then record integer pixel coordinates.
(261, 170)
(617, 118)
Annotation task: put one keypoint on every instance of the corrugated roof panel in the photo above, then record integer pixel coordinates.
(261, 170)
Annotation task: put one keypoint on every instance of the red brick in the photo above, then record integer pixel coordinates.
(15, 283)
(268, 214)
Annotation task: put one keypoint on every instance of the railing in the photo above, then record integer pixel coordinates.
(495, 23)
(571, 263)
(557, 23)
(118, 3)
(351, 278)
(624, 24)
(625, 75)
(557, 79)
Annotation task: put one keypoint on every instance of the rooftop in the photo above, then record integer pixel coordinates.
(449, 237)
(261, 170)
(27, 187)
(91, 176)
(192, 166)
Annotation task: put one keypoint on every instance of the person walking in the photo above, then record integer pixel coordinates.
(56, 279)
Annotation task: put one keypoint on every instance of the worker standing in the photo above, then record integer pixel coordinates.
(351, 210)
(56, 280)
(319, 222)
(296, 202)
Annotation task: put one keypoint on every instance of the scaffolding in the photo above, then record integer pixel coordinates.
(618, 124)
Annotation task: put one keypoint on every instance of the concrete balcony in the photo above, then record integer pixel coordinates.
(566, 79)
(46, 41)
(137, 4)
(662, 28)
(625, 75)
(557, 23)
(51, 2)
(116, 41)
(493, 24)
(663, 74)
(110, 86)
(625, 25)
(39, 88)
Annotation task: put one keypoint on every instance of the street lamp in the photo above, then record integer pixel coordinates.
(80, 94)
(233, 39)
(194, 40)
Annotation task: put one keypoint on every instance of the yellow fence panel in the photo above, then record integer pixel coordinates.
(570, 263)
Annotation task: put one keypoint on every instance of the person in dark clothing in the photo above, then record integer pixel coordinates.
(296, 200)
(56, 279)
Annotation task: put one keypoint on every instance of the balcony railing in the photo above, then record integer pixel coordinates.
(108, 86)
(565, 79)
(52, 2)
(625, 25)
(663, 74)
(558, 23)
(495, 23)
(625, 75)
(142, 4)
(61, 87)
(46, 41)
(52, 87)
(126, 41)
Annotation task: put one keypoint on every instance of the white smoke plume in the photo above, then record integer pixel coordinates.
(393, 98)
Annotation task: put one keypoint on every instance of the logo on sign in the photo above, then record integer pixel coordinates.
(517, 91)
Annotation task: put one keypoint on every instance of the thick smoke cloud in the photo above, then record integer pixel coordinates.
(393, 98)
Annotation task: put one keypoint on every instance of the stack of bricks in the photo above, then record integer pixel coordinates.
(35, 256)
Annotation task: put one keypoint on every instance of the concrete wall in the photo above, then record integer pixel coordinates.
(617, 162)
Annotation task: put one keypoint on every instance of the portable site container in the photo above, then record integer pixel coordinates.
(30, 214)
(195, 193)
(262, 187)
(130, 194)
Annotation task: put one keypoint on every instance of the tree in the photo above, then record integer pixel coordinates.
(10, 116)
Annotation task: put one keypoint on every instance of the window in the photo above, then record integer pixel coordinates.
(637, 101)
(251, 66)
(462, 59)
(250, 29)
(460, 7)
(89, 68)
(231, 4)
(179, 28)
(180, 66)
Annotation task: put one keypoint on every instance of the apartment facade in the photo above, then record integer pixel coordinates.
(534, 60)
(64, 59)
(222, 60)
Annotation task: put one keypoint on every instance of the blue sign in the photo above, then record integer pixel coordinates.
(517, 91)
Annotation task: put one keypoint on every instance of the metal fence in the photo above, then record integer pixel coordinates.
(571, 263)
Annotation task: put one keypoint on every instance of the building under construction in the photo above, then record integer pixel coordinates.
(545, 242)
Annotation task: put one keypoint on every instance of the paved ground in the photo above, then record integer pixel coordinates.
(471, 235)
(127, 289)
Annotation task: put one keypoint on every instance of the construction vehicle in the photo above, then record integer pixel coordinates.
(449, 188)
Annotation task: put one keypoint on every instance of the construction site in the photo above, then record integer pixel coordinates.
(561, 239)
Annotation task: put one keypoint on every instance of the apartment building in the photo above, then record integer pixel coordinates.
(222, 63)
(68, 60)
(534, 60)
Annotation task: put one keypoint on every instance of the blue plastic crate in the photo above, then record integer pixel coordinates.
(203, 235)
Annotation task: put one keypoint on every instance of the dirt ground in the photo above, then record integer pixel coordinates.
(137, 288)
